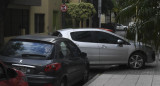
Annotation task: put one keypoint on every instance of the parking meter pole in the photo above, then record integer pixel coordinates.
(99, 11)
(63, 17)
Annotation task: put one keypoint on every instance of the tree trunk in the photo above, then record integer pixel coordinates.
(84, 23)
(90, 22)
(73, 23)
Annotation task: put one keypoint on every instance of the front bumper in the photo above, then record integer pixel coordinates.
(151, 57)
(40, 80)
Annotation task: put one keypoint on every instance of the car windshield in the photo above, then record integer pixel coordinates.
(27, 49)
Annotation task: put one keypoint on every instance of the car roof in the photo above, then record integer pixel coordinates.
(39, 37)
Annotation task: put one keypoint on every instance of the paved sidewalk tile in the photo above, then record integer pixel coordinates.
(126, 80)
(122, 76)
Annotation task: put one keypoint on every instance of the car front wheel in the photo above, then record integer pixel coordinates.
(136, 61)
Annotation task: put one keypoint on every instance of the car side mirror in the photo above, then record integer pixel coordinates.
(120, 42)
(83, 54)
(11, 73)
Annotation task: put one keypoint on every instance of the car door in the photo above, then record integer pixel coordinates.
(110, 51)
(85, 42)
(76, 56)
(67, 59)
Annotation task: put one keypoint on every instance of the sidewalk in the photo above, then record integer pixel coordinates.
(150, 76)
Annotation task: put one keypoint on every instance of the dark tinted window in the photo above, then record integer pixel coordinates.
(57, 34)
(36, 50)
(75, 50)
(82, 36)
(102, 37)
(39, 23)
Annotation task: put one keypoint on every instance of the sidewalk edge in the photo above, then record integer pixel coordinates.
(90, 81)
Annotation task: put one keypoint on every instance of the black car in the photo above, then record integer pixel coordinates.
(46, 60)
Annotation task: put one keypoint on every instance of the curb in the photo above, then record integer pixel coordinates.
(90, 81)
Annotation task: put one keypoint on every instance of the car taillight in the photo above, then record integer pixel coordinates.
(54, 66)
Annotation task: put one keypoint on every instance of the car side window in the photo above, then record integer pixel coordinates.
(64, 50)
(82, 36)
(102, 37)
(57, 34)
(74, 49)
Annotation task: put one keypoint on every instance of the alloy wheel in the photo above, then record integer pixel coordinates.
(136, 61)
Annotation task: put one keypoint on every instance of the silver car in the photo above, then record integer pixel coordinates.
(106, 48)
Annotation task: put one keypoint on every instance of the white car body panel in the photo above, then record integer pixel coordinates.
(103, 53)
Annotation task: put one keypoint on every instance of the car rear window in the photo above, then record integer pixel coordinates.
(27, 49)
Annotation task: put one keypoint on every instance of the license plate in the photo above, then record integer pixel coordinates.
(22, 69)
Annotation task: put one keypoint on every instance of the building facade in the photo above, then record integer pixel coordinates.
(31, 17)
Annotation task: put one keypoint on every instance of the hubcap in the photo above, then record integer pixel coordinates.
(136, 61)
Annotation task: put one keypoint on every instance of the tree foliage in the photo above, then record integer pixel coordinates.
(81, 11)
(147, 19)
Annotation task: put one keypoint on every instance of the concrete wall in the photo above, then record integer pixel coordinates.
(26, 2)
(47, 7)
(54, 5)
(43, 9)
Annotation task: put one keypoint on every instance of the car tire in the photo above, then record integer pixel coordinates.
(136, 61)
(63, 82)
(85, 76)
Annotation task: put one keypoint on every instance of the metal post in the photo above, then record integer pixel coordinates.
(136, 36)
(63, 17)
(99, 11)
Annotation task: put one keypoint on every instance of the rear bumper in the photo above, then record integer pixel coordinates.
(40, 80)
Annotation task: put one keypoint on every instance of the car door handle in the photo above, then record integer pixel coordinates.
(103, 46)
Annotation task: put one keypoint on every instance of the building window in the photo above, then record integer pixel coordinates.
(15, 21)
(39, 23)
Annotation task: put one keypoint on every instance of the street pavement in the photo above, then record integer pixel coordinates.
(123, 76)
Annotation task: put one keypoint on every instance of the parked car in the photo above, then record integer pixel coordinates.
(121, 27)
(46, 60)
(111, 26)
(11, 77)
(105, 48)
(106, 29)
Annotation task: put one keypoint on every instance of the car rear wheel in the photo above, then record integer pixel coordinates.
(136, 61)
(63, 82)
